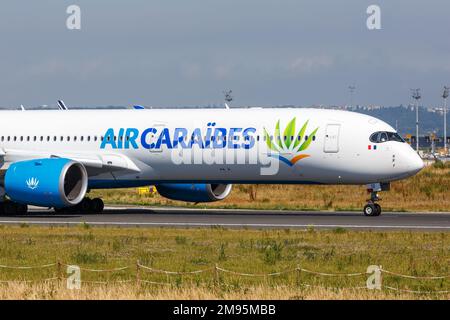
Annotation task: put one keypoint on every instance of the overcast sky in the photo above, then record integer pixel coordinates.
(169, 52)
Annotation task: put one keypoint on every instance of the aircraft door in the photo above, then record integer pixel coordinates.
(331, 144)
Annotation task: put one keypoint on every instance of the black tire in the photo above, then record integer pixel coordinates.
(85, 206)
(63, 210)
(21, 208)
(378, 209)
(10, 208)
(97, 205)
(370, 210)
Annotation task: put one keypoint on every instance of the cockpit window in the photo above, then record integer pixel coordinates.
(383, 136)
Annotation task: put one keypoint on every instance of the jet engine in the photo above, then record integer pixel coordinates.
(52, 182)
(193, 192)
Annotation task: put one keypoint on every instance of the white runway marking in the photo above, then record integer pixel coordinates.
(201, 224)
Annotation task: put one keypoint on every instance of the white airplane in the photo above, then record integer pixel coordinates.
(53, 159)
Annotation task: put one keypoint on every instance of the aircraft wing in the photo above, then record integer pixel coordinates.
(94, 163)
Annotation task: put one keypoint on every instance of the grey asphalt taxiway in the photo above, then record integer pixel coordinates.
(230, 218)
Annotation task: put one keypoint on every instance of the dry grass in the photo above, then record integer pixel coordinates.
(427, 191)
(249, 251)
(19, 291)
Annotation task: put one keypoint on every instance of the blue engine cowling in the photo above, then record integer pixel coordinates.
(193, 192)
(55, 182)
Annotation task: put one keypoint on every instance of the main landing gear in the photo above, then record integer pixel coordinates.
(11, 208)
(372, 208)
(87, 205)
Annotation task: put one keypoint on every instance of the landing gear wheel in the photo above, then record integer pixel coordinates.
(21, 208)
(378, 209)
(85, 206)
(370, 210)
(61, 210)
(10, 208)
(97, 205)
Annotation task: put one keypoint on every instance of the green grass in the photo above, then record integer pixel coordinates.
(247, 251)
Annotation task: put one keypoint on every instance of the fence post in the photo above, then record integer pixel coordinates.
(138, 273)
(59, 270)
(298, 273)
(381, 277)
(216, 275)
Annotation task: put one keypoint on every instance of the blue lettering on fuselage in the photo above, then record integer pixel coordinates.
(155, 138)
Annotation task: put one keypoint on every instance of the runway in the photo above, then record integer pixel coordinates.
(120, 216)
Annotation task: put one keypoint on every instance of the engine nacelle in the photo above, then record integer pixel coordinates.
(193, 192)
(55, 182)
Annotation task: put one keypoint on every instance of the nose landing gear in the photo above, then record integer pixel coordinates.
(372, 208)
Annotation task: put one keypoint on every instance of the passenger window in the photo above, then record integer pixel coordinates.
(68, 138)
(88, 138)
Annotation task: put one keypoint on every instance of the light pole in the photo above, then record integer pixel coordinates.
(416, 96)
(445, 96)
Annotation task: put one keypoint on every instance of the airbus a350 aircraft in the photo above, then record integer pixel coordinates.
(54, 158)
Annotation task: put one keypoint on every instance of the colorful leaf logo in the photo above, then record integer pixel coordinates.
(289, 143)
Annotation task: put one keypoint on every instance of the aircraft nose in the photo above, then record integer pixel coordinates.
(414, 162)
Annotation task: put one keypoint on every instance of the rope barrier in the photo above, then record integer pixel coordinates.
(255, 274)
(216, 268)
(332, 288)
(153, 282)
(29, 281)
(100, 270)
(332, 274)
(415, 277)
(415, 291)
(173, 272)
(28, 267)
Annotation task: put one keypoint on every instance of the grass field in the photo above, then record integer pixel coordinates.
(427, 191)
(245, 251)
